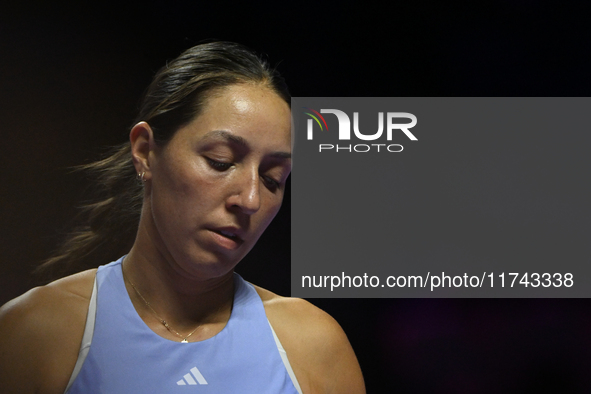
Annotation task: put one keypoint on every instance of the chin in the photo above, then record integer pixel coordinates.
(212, 266)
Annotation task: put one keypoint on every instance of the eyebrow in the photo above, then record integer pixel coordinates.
(237, 140)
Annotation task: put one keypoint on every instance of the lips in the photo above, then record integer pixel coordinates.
(228, 237)
(228, 234)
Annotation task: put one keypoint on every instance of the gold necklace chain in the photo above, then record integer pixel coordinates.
(164, 323)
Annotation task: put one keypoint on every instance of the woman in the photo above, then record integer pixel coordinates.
(211, 150)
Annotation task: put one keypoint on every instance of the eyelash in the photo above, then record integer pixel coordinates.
(219, 165)
(273, 185)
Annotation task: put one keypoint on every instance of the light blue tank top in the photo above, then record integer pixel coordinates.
(123, 355)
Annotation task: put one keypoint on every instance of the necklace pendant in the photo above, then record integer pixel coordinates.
(184, 341)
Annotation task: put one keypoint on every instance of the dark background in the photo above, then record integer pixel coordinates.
(71, 76)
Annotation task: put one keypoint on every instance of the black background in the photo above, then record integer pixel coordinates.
(71, 76)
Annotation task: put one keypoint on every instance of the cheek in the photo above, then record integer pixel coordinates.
(273, 206)
(183, 177)
(180, 192)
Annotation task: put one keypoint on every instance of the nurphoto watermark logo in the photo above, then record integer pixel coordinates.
(318, 122)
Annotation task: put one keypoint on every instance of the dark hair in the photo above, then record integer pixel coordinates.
(175, 97)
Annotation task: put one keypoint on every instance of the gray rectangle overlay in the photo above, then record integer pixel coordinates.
(455, 197)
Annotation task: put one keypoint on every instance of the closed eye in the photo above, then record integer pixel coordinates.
(218, 165)
(271, 183)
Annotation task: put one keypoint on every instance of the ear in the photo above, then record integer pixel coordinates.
(142, 143)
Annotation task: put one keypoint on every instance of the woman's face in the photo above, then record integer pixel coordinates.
(218, 183)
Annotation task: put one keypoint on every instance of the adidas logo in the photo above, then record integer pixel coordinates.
(188, 378)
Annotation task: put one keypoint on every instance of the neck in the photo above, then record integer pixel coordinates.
(183, 300)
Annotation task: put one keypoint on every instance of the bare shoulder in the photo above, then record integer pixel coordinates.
(50, 300)
(310, 320)
(41, 331)
(316, 345)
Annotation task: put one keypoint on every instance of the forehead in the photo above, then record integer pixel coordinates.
(253, 113)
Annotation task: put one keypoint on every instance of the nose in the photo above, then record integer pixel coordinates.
(246, 196)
